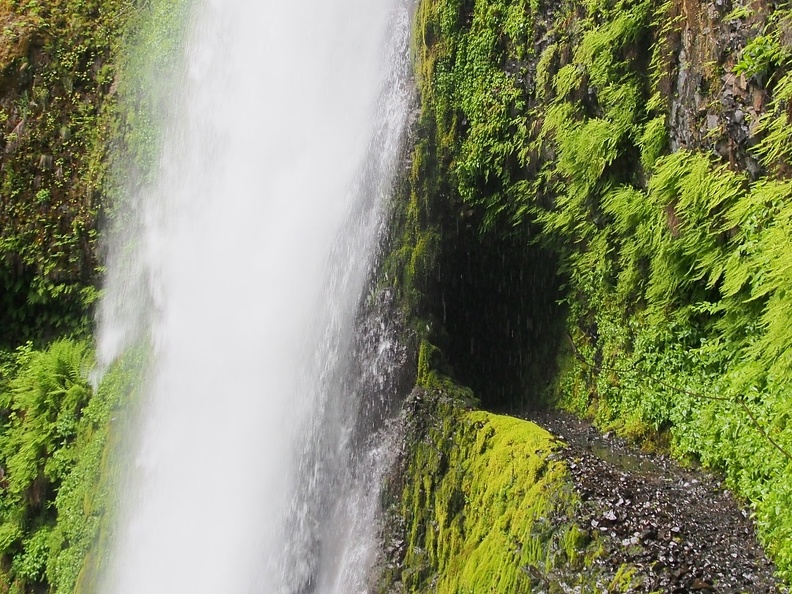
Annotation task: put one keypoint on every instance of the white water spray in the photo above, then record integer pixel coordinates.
(249, 263)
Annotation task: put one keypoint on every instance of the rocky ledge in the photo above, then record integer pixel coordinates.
(478, 502)
(678, 527)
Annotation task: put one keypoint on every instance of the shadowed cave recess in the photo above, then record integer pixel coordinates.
(497, 297)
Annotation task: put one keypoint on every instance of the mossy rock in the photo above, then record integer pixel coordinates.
(482, 503)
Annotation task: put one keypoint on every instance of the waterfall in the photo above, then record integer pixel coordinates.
(244, 269)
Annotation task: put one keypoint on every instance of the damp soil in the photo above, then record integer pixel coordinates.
(681, 528)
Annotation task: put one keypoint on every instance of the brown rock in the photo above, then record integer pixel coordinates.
(701, 586)
(758, 99)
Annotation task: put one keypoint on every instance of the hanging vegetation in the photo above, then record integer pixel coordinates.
(670, 209)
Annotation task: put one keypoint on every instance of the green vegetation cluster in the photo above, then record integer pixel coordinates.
(551, 122)
(484, 506)
(55, 76)
(74, 101)
(56, 435)
(81, 83)
(542, 122)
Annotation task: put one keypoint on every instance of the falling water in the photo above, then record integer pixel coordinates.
(246, 273)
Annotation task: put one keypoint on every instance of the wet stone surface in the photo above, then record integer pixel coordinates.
(681, 528)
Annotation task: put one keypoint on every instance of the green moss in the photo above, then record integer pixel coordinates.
(487, 507)
(77, 98)
(494, 467)
(56, 74)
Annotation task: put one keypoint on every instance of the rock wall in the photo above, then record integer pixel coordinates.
(641, 150)
(710, 106)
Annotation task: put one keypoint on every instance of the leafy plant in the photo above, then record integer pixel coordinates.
(762, 54)
(54, 442)
(676, 267)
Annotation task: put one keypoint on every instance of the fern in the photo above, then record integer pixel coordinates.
(775, 148)
(674, 265)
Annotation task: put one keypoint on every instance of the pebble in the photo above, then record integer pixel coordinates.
(657, 504)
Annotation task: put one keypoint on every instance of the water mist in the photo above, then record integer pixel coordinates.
(245, 272)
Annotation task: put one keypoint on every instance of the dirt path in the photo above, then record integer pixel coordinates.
(680, 527)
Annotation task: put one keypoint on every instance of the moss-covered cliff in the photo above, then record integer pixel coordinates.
(78, 107)
(55, 77)
(78, 84)
(640, 152)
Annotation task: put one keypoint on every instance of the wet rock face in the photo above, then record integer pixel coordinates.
(380, 361)
(680, 528)
(710, 107)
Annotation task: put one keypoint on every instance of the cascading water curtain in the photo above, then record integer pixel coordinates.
(250, 255)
